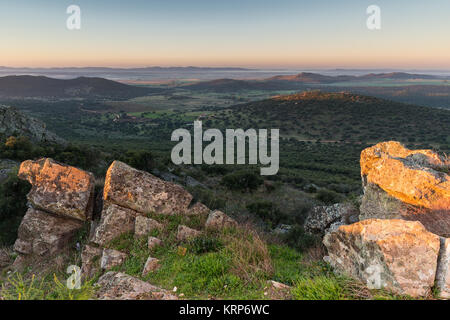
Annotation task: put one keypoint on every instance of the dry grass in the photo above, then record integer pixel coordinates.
(249, 253)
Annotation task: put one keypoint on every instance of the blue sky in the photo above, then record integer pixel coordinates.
(281, 33)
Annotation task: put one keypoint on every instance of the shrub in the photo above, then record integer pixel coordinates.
(13, 205)
(266, 211)
(298, 239)
(328, 196)
(242, 180)
(205, 244)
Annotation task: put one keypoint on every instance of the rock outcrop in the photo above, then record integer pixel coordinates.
(59, 189)
(406, 184)
(393, 254)
(120, 286)
(15, 122)
(61, 200)
(323, 219)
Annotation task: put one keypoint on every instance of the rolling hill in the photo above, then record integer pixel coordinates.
(341, 117)
(82, 87)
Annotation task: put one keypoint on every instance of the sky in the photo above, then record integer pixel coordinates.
(241, 33)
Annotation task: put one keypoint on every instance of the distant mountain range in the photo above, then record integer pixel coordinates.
(291, 82)
(82, 87)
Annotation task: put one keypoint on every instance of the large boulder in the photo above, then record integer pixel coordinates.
(120, 286)
(143, 192)
(114, 222)
(58, 188)
(397, 255)
(42, 234)
(406, 184)
(323, 219)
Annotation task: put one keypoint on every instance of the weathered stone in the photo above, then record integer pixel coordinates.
(443, 271)
(5, 258)
(186, 233)
(394, 254)
(153, 242)
(90, 261)
(58, 188)
(112, 258)
(144, 226)
(23, 247)
(406, 184)
(143, 192)
(323, 218)
(198, 209)
(45, 233)
(151, 265)
(114, 222)
(120, 286)
(219, 220)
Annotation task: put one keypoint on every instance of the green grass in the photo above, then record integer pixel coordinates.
(50, 287)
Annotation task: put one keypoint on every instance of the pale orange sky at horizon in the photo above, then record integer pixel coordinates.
(268, 34)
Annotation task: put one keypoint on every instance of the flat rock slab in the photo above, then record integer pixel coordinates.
(41, 233)
(143, 192)
(397, 255)
(60, 189)
(120, 286)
